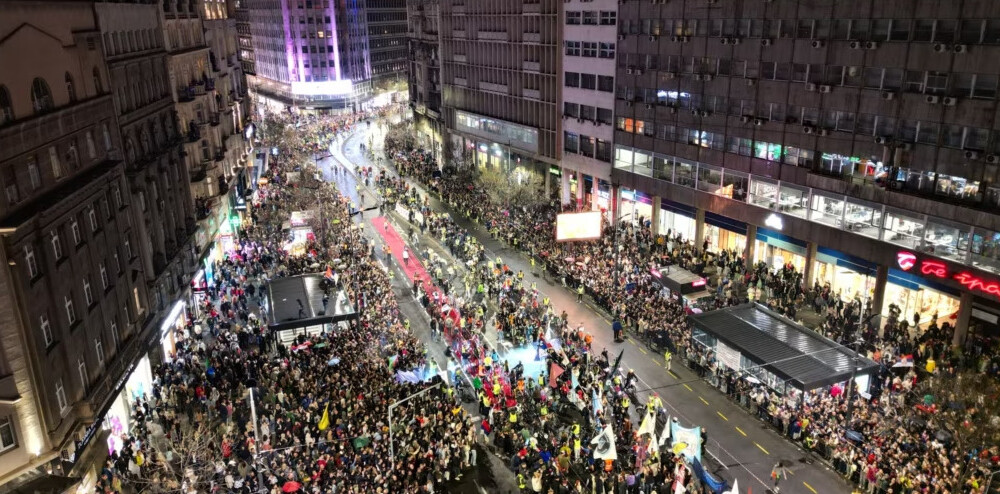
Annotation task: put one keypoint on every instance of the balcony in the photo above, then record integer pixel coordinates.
(532, 94)
(461, 81)
(194, 133)
(493, 36)
(198, 88)
(214, 119)
(532, 37)
(494, 87)
(532, 8)
(532, 66)
(210, 84)
(186, 94)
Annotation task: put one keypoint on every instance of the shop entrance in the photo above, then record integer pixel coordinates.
(913, 295)
(677, 219)
(724, 234)
(845, 276)
(777, 250)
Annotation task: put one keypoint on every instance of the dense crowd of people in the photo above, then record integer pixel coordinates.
(320, 400)
(884, 456)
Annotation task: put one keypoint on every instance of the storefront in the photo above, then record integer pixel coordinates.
(677, 219)
(724, 234)
(635, 206)
(118, 420)
(846, 275)
(911, 294)
(173, 329)
(777, 250)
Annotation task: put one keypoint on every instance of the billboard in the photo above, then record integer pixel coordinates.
(578, 226)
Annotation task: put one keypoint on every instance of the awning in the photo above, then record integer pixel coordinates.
(800, 356)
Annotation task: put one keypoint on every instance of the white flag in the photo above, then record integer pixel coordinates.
(665, 435)
(604, 445)
(648, 426)
(735, 489)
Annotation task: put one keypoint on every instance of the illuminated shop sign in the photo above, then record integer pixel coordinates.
(939, 269)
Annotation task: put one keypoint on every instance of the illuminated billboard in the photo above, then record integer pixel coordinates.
(578, 226)
(322, 88)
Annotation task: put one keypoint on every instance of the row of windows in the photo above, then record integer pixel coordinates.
(587, 112)
(604, 83)
(41, 96)
(118, 42)
(875, 125)
(591, 17)
(970, 31)
(590, 147)
(957, 84)
(59, 163)
(591, 49)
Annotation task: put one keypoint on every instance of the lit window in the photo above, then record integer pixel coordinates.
(104, 277)
(33, 175)
(56, 245)
(99, 350)
(92, 217)
(70, 311)
(61, 398)
(75, 228)
(43, 324)
(29, 260)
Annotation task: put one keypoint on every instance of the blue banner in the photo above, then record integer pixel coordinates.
(717, 486)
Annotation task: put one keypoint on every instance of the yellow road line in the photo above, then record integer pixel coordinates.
(643, 350)
(703, 400)
(689, 388)
(810, 488)
(741, 432)
(675, 376)
(721, 415)
(761, 448)
(630, 341)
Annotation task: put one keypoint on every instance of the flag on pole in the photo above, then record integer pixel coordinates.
(554, 372)
(648, 426)
(617, 361)
(604, 445)
(665, 434)
(325, 421)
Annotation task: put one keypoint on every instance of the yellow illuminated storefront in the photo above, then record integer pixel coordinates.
(724, 234)
(777, 250)
(847, 276)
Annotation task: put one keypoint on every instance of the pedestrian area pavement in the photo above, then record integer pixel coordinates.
(741, 447)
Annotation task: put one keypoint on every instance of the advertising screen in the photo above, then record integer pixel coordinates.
(578, 226)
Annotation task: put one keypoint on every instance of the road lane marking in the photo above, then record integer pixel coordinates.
(741, 432)
(689, 388)
(703, 400)
(721, 415)
(761, 448)
(810, 488)
(630, 341)
(643, 350)
(675, 376)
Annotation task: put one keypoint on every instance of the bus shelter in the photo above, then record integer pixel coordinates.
(762, 345)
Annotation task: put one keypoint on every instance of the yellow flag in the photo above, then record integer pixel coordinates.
(325, 421)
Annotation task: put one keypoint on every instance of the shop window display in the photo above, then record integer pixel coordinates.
(986, 250)
(676, 223)
(924, 301)
(793, 200)
(862, 218)
(902, 228)
(763, 193)
(720, 239)
(827, 210)
(845, 282)
(946, 239)
(776, 257)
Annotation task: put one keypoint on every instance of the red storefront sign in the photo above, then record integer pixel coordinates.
(940, 269)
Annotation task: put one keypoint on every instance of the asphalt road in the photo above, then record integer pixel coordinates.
(739, 445)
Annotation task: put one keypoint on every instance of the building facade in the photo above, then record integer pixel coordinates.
(424, 73)
(152, 142)
(501, 78)
(387, 28)
(74, 295)
(310, 54)
(857, 142)
(587, 101)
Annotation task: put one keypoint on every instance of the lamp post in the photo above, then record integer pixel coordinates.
(392, 449)
(256, 437)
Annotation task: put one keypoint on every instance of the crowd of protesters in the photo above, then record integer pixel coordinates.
(320, 400)
(884, 455)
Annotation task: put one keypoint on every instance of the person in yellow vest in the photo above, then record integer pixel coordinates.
(533, 267)
(579, 294)
(576, 449)
(513, 416)
(654, 403)
(625, 403)
(666, 359)
(931, 365)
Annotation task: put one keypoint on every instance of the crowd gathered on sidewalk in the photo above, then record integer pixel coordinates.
(915, 450)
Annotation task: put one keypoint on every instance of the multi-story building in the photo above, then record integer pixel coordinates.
(386, 24)
(310, 54)
(74, 304)
(248, 59)
(587, 100)
(157, 172)
(424, 74)
(856, 141)
(500, 68)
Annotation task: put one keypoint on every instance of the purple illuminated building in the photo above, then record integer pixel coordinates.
(315, 54)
